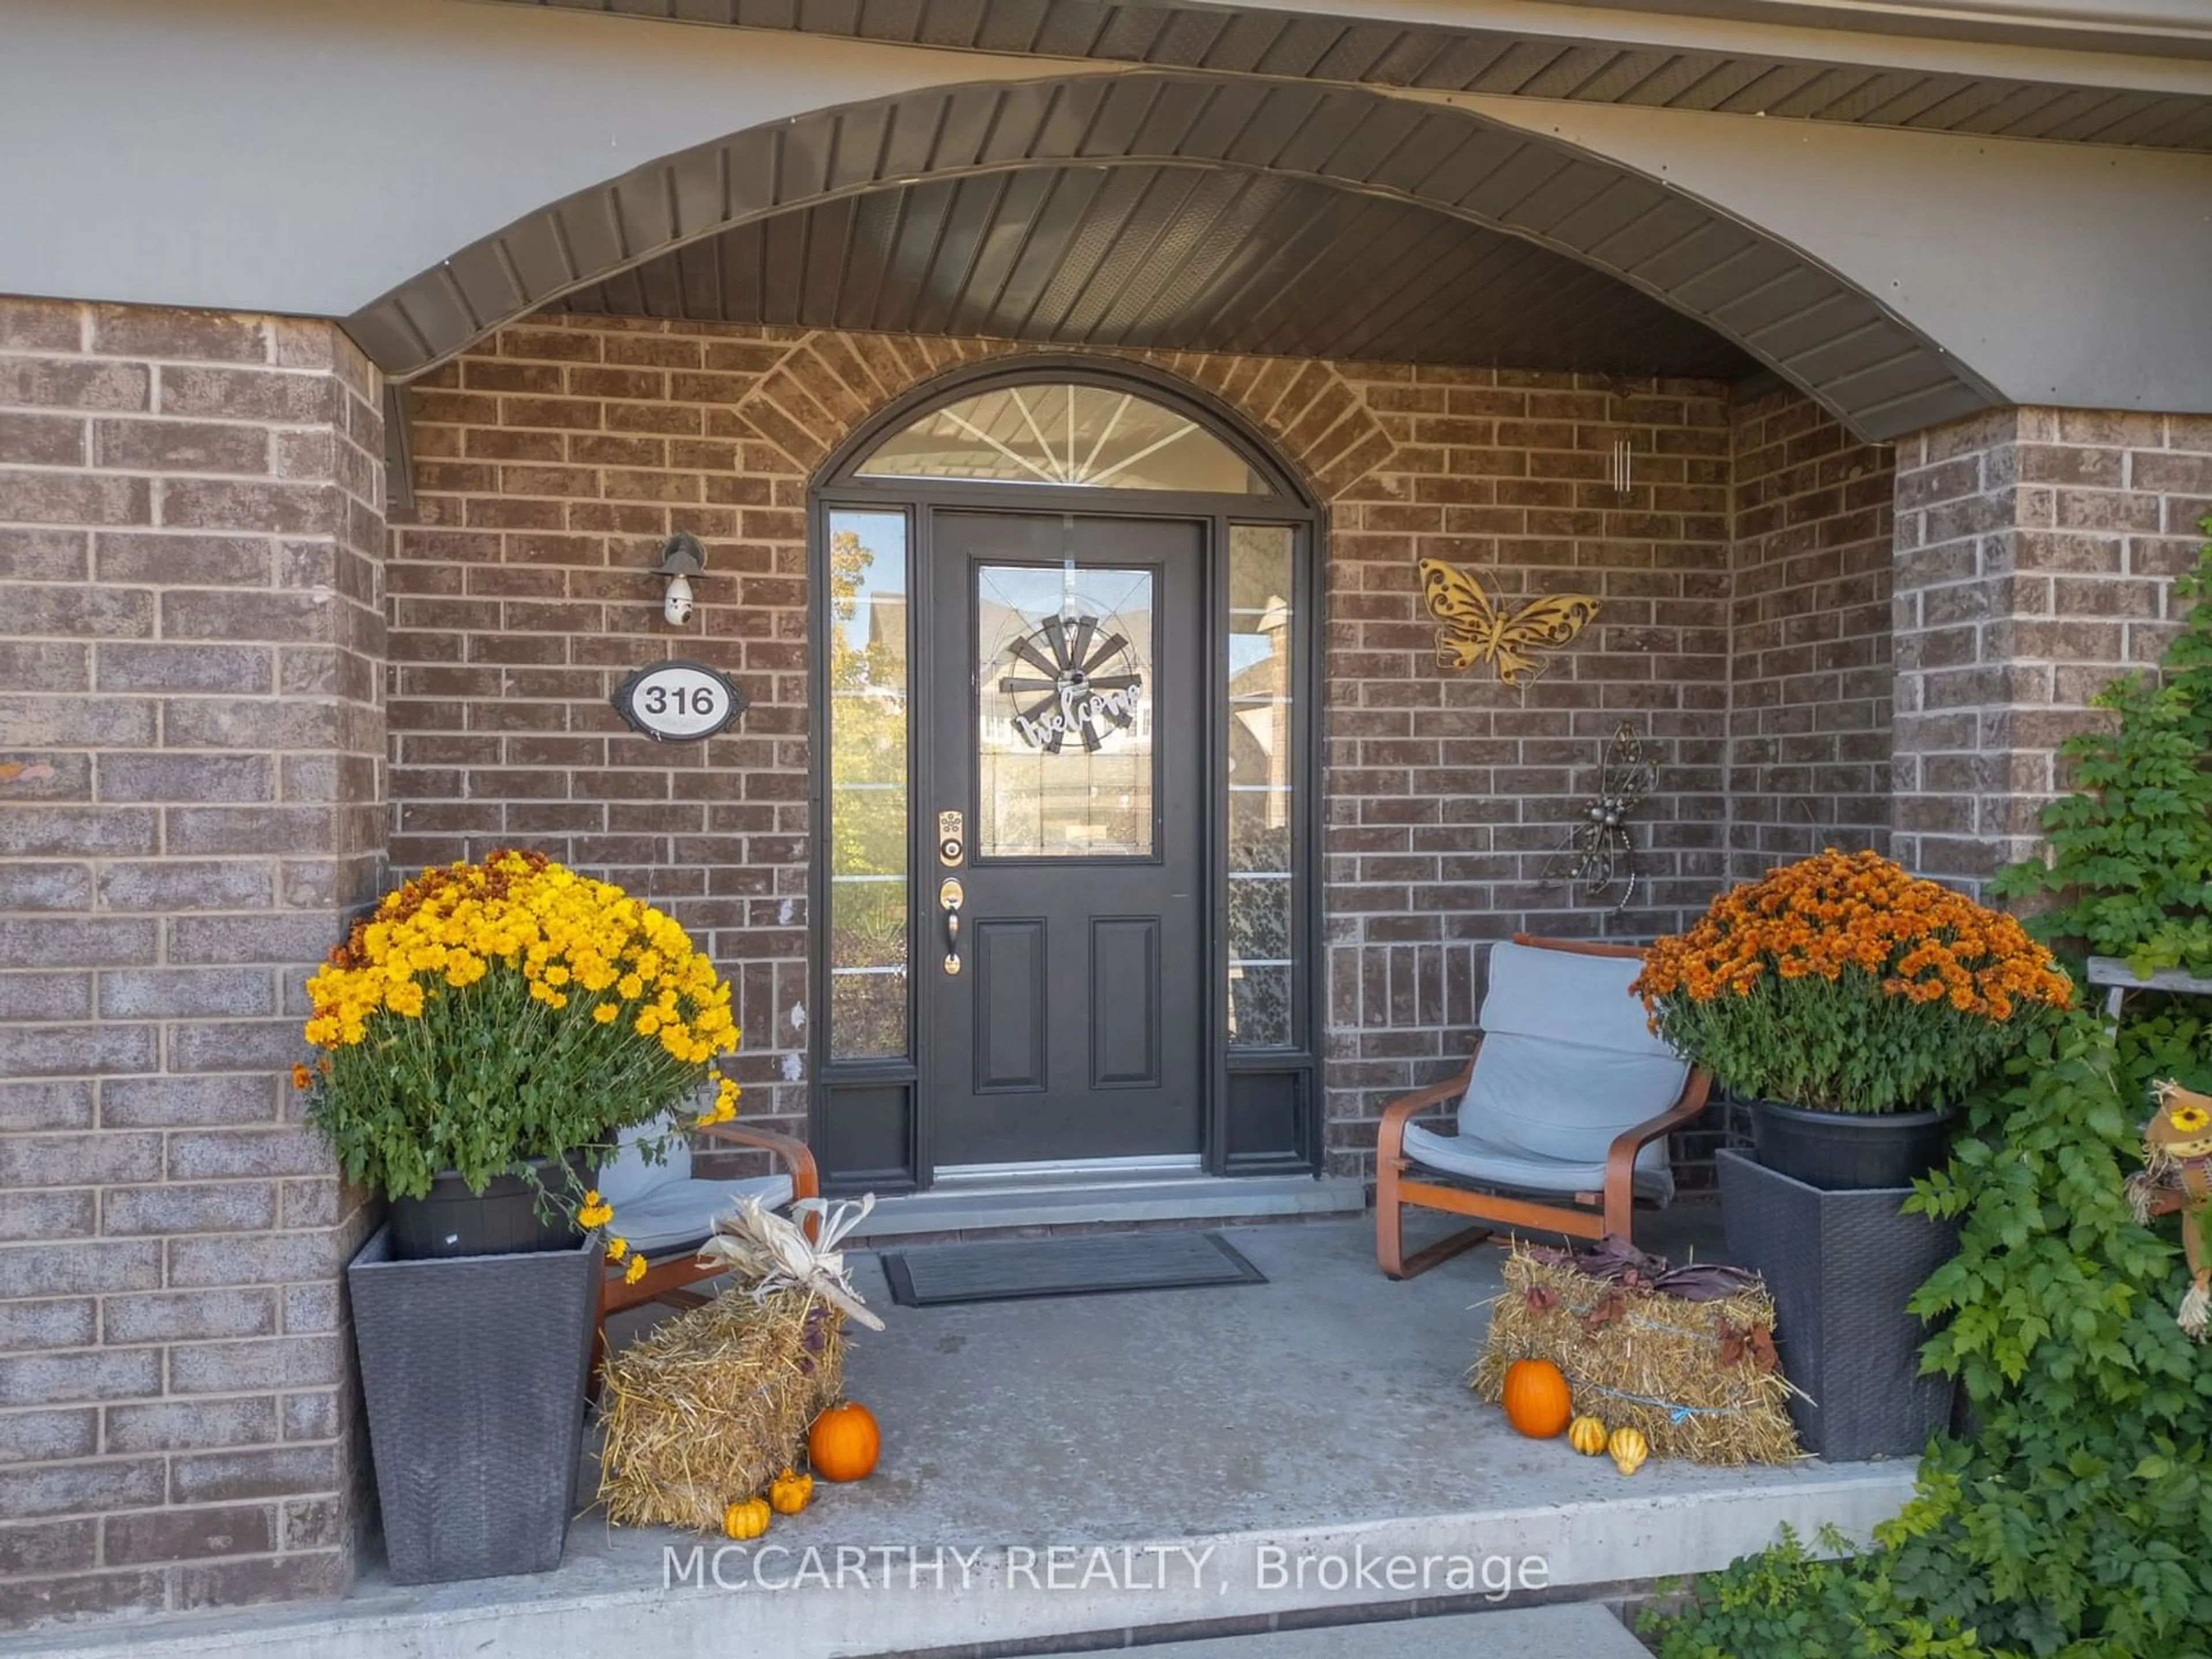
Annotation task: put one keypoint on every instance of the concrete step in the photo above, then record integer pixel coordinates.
(980, 1207)
(1581, 1630)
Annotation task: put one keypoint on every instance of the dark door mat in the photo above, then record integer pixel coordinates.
(1091, 1264)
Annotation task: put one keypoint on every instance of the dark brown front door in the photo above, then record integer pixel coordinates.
(1063, 994)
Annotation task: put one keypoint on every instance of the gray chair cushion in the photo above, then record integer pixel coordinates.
(685, 1212)
(661, 1206)
(1567, 1062)
(627, 1174)
(1488, 1164)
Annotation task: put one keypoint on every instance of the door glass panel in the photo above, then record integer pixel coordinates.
(868, 686)
(1090, 436)
(1064, 729)
(1263, 785)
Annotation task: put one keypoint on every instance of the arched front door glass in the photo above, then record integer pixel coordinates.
(1066, 792)
(1087, 437)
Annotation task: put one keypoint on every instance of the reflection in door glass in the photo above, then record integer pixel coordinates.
(1263, 785)
(1065, 687)
(867, 674)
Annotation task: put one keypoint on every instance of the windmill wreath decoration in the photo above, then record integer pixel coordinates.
(1597, 859)
(1085, 682)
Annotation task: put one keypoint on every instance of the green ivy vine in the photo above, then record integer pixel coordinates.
(2076, 1520)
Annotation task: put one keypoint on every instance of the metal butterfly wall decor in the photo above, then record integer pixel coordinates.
(1478, 629)
(1598, 857)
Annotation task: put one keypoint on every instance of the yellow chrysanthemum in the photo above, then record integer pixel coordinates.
(636, 1271)
(605, 1013)
(617, 1247)
(595, 1211)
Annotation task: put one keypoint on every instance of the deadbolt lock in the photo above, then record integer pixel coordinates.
(951, 842)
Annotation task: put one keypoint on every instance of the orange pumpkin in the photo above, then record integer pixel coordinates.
(843, 1442)
(1536, 1398)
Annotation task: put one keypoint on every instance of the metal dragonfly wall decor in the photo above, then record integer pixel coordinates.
(1597, 859)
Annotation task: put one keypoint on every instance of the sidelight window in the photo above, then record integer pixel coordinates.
(869, 691)
(1263, 786)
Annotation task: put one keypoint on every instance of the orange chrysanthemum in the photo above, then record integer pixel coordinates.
(1839, 910)
(1842, 982)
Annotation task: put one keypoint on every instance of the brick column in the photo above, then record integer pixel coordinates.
(2035, 548)
(191, 755)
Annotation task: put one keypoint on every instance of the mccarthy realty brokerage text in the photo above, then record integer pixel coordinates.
(1108, 1568)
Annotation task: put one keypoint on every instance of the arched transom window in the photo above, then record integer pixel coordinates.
(1084, 436)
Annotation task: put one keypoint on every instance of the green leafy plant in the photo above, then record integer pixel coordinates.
(1789, 1601)
(2074, 1522)
(2128, 872)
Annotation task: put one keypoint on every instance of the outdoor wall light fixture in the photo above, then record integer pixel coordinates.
(680, 561)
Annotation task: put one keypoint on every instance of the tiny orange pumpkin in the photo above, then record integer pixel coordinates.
(788, 1492)
(747, 1518)
(1536, 1398)
(843, 1442)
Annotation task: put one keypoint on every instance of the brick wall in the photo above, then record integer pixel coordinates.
(2035, 548)
(553, 459)
(190, 621)
(1451, 795)
(1810, 675)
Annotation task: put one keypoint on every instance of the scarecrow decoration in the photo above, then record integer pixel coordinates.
(2176, 1174)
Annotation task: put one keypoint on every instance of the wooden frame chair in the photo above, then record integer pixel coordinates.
(1401, 1182)
(672, 1266)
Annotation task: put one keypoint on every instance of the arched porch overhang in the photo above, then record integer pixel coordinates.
(1778, 304)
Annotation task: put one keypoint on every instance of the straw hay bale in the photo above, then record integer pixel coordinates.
(708, 1407)
(1696, 1378)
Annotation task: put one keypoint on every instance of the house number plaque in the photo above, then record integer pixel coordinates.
(678, 702)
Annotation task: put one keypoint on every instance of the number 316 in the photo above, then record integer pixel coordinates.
(679, 699)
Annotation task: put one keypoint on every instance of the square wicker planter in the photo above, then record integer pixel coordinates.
(1841, 1266)
(474, 1368)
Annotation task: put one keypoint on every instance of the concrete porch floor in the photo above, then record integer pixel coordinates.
(1320, 1415)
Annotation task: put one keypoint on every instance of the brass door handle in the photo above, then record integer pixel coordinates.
(951, 897)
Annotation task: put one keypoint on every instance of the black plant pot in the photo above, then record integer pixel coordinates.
(1841, 1266)
(1847, 1151)
(473, 1370)
(502, 1220)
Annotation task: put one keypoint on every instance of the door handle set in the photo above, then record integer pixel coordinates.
(950, 898)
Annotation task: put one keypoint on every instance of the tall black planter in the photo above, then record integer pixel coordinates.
(1841, 1266)
(474, 1369)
